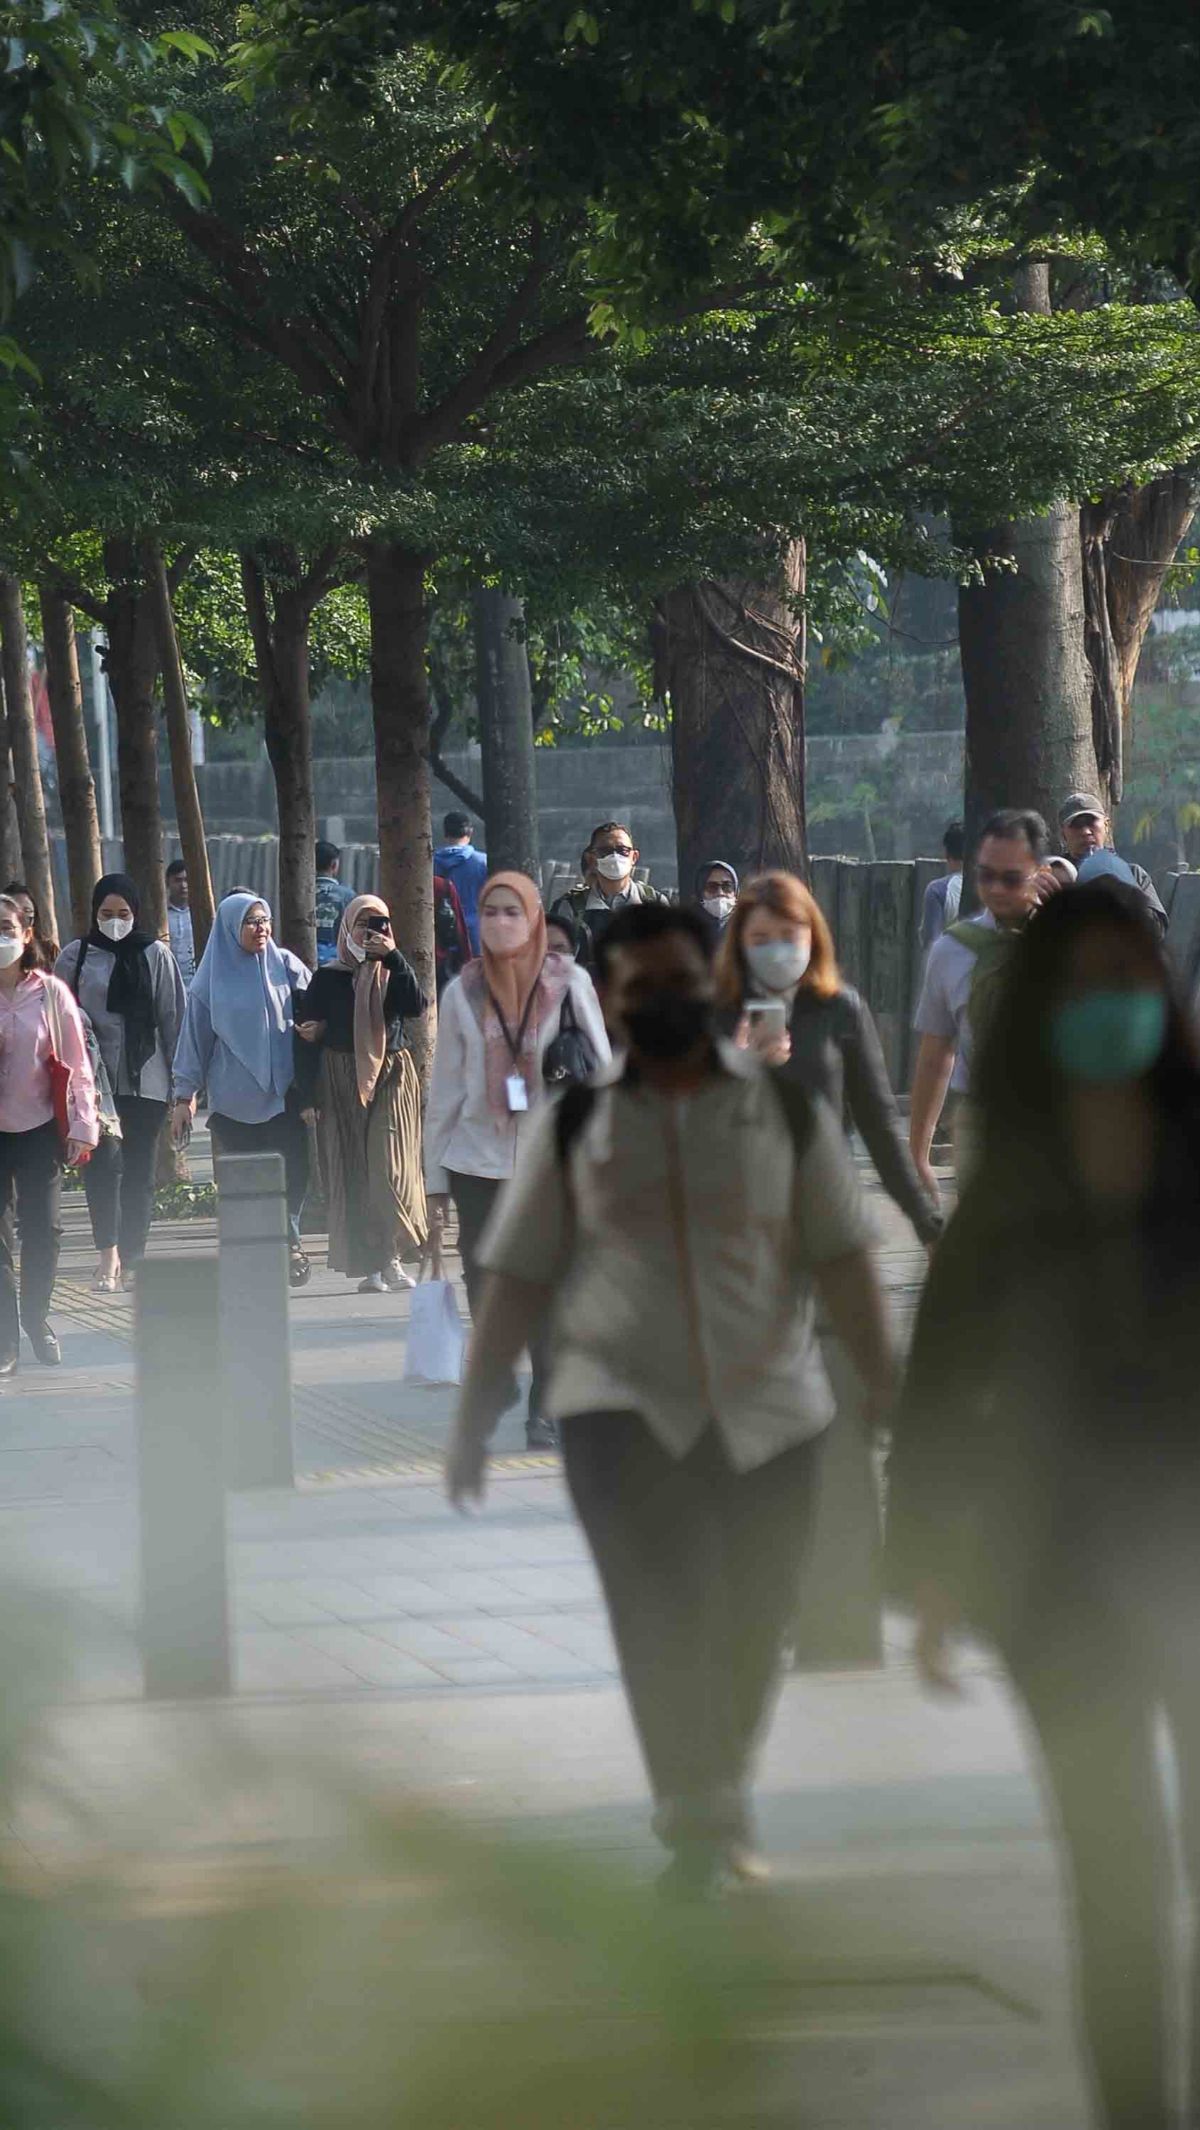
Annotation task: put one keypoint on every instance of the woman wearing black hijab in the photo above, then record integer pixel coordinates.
(129, 987)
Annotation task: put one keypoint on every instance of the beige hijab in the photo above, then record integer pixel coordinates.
(523, 987)
(370, 986)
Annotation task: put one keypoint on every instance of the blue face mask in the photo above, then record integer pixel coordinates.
(1109, 1036)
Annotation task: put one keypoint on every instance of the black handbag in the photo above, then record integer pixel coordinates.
(570, 1057)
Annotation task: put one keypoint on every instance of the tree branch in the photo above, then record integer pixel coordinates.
(439, 725)
(740, 649)
(64, 582)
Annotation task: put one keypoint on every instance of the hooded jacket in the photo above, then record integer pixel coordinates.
(466, 869)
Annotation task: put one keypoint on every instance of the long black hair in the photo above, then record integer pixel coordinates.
(1016, 1084)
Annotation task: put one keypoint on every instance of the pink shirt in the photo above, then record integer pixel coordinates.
(25, 1050)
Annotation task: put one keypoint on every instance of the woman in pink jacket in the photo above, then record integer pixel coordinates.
(39, 1023)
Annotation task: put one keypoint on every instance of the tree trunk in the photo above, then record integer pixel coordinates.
(179, 735)
(732, 658)
(76, 789)
(22, 738)
(1025, 674)
(400, 706)
(10, 828)
(131, 663)
(505, 701)
(279, 627)
(1129, 541)
(1026, 677)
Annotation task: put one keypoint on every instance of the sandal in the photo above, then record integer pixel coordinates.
(299, 1267)
(107, 1283)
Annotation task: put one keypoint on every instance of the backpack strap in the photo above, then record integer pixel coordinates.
(976, 938)
(575, 1106)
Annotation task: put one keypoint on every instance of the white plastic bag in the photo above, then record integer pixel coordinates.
(436, 1339)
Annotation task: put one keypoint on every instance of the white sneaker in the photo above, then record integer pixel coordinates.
(373, 1284)
(395, 1278)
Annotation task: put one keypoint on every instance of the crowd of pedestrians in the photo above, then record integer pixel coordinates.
(638, 1112)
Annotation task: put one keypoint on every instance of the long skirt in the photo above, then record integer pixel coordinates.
(374, 1185)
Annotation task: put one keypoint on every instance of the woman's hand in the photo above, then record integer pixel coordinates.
(438, 1206)
(309, 1116)
(77, 1151)
(773, 1050)
(181, 1122)
(311, 1031)
(376, 946)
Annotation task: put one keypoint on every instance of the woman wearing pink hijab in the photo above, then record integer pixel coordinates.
(496, 1022)
(356, 1080)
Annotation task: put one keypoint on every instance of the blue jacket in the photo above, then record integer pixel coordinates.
(466, 869)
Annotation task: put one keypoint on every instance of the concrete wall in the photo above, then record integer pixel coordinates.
(909, 788)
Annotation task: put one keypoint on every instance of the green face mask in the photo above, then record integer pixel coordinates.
(1109, 1036)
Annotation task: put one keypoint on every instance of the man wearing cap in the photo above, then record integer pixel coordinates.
(1085, 828)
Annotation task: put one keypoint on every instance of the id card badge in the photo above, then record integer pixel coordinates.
(518, 1094)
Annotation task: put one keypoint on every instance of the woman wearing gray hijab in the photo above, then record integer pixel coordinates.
(237, 1040)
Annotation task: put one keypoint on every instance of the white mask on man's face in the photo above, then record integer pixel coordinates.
(11, 950)
(116, 928)
(615, 865)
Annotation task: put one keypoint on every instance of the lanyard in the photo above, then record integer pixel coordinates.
(514, 1044)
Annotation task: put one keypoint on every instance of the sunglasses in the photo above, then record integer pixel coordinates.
(987, 877)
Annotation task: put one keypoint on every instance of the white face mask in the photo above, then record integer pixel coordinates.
(614, 865)
(720, 906)
(115, 928)
(778, 964)
(355, 952)
(11, 950)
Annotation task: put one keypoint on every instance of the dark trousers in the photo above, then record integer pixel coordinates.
(1093, 1687)
(119, 1179)
(284, 1134)
(30, 1192)
(699, 1565)
(474, 1197)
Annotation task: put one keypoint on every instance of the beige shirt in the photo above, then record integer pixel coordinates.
(680, 1243)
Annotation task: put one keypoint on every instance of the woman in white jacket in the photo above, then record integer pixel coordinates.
(495, 1023)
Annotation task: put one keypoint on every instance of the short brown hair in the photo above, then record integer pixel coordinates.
(784, 896)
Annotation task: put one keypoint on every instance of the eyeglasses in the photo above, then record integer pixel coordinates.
(615, 850)
(988, 877)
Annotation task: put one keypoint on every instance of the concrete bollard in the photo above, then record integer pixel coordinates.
(184, 1628)
(255, 1349)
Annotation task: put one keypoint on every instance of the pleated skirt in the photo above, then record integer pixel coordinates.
(374, 1182)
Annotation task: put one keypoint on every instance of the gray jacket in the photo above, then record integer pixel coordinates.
(170, 1000)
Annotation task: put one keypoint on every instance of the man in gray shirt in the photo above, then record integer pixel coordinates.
(679, 1219)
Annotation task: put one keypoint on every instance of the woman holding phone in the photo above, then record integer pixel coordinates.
(781, 991)
(355, 1079)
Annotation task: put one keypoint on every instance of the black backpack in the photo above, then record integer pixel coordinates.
(569, 1058)
(446, 938)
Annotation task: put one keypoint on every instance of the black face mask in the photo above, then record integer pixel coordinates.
(670, 1027)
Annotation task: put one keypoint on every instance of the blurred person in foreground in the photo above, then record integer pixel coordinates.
(678, 1215)
(1045, 1476)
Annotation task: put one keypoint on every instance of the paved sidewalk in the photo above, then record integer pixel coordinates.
(469, 1660)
